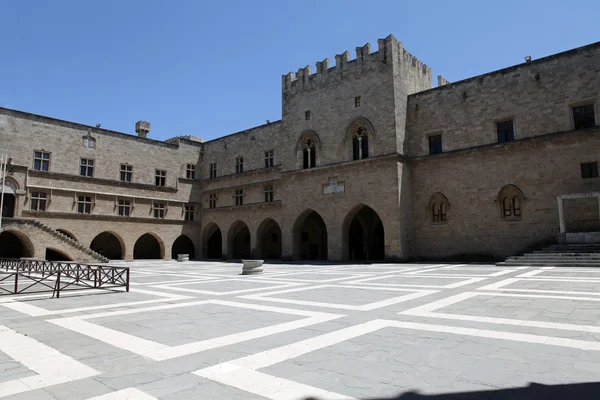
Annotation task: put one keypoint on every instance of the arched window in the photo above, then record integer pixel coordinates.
(507, 207)
(510, 198)
(443, 211)
(516, 205)
(438, 207)
(309, 154)
(435, 211)
(360, 144)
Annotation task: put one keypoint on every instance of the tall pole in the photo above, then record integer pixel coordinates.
(3, 162)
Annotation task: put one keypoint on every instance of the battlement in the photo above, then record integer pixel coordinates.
(389, 51)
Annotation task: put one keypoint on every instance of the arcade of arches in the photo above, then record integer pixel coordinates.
(269, 240)
(183, 245)
(148, 247)
(213, 242)
(15, 245)
(238, 240)
(310, 237)
(365, 236)
(109, 245)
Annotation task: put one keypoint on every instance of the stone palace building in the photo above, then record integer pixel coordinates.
(368, 162)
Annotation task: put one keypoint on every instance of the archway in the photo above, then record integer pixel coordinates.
(56, 255)
(67, 234)
(15, 245)
(148, 247)
(310, 237)
(110, 245)
(269, 240)
(364, 237)
(214, 242)
(182, 245)
(238, 240)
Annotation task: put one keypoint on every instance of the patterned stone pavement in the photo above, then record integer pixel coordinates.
(199, 330)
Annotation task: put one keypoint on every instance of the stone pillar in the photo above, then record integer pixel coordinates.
(561, 215)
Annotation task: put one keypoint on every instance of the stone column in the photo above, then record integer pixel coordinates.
(561, 215)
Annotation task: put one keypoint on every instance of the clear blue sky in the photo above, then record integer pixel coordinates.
(211, 68)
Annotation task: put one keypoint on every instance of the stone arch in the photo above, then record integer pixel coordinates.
(67, 234)
(437, 208)
(57, 255)
(308, 135)
(307, 149)
(238, 240)
(183, 245)
(510, 199)
(309, 234)
(212, 241)
(268, 240)
(363, 235)
(109, 244)
(360, 133)
(149, 246)
(15, 244)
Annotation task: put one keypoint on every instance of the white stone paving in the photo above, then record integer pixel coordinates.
(200, 330)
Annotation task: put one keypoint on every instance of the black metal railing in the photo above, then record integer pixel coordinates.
(31, 276)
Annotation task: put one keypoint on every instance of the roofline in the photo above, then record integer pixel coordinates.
(244, 131)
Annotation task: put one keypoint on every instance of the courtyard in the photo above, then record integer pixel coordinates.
(200, 330)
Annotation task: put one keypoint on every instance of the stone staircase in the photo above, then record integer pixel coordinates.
(558, 255)
(70, 243)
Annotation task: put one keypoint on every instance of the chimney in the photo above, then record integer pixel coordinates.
(142, 128)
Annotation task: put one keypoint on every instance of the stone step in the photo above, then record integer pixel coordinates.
(561, 256)
(549, 264)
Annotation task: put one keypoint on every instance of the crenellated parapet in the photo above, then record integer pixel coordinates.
(389, 51)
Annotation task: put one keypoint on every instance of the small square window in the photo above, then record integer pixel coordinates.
(505, 130)
(84, 204)
(239, 165)
(160, 177)
(126, 172)
(435, 144)
(41, 161)
(213, 170)
(589, 170)
(190, 171)
(86, 167)
(124, 208)
(584, 116)
(159, 210)
(307, 115)
(212, 200)
(38, 201)
(357, 101)
(189, 213)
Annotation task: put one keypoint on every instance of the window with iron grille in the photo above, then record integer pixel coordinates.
(239, 197)
(126, 172)
(38, 201)
(86, 167)
(190, 171)
(505, 130)
(212, 200)
(160, 178)
(435, 144)
(188, 213)
(124, 208)
(213, 170)
(239, 165)
(84, 204)
(41, 161)
(584, 116)
(268, 190)
(269, 158)
(159, 210)
(589, 170)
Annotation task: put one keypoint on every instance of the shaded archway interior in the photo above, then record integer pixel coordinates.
(108, 245)
(183, 245)
(147, 247)
(310, 238)
(269, 240)
(214, 243)
(56, 255)
(15, 245)
(366, 239)
(239, 241)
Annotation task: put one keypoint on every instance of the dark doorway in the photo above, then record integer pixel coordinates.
(214, 245)
(8, 208)
(56, 255)
(366, 236)
(182, 245)
(310, 237)
(14, 246)
(269, 240)
(239, 242)
(147, 247)
(108, 245)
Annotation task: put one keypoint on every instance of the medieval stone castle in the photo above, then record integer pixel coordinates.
(368, 162)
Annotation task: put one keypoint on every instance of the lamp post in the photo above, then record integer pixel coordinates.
(3, 163)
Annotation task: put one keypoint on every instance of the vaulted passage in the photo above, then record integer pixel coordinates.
(56, 255)
(182, 245)
(238, 240)
(365, 236)
(15, 245)
(148, 247)
(310, 237)
(109, 245)
(269, 240)
(214, 247)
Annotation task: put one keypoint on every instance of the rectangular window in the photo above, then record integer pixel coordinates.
(41, 161)
(584, 116)
(269, 158)
(190, 171)
(268, 189)
(506, 132)
(86, 167)
(159, 210)
(160, 178)
(188, 213)
(38, 201)
(357, 101)
(239, 165)
(306, 115)
(126, 172)
(435, 144)
(84, 204)
(124, 208)
(213, 170)
(589, 170)
(239, 197)
(212, 200)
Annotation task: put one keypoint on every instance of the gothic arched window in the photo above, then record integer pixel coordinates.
(309, 154)
(438, 206)
(360, 144)
(510, 198)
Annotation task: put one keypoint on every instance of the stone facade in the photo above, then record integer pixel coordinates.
(351, 173)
